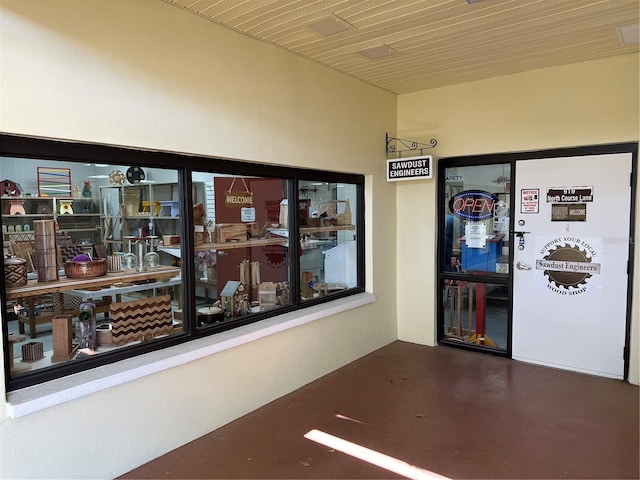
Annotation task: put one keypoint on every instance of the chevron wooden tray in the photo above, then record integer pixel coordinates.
(140, 320)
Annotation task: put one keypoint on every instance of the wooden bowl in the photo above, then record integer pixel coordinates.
(92, 268)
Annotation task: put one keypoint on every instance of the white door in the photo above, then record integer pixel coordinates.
(570, 267)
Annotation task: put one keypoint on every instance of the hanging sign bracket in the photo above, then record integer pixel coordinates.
(399, 145)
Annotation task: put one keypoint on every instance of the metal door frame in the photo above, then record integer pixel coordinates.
(512, 159)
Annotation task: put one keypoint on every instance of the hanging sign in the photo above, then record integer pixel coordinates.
(474, 205)
(569, 194)
(410, 168)
(238, 199)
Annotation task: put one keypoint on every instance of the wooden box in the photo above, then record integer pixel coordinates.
(32, 351)
(198, 234)
(62, 330)
(337, 210)
(169, 240)
(231, 232)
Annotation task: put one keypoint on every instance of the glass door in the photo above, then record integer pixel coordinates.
(473, 255)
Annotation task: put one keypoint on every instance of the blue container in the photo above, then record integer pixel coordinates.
(482, 259)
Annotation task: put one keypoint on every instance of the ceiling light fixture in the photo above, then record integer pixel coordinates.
(330, 26)
(628, 35)
(377, 52)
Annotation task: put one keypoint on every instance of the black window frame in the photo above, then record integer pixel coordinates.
(185, 164)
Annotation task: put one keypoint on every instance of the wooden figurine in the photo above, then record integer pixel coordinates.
(66, 207)
(9, 188)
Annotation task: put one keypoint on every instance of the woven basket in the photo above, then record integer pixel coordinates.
(15, 272)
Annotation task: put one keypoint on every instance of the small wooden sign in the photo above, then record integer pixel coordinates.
(238, 199)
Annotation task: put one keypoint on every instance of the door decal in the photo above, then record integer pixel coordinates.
(569, 265)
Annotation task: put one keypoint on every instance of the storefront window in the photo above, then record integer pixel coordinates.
(241, 247)
(327, 235)
(94, 251)
(82, 264)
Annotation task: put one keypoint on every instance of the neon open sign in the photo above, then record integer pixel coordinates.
(473, 205)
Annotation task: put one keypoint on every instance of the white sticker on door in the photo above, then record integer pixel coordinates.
(569, 265)
(529, 200)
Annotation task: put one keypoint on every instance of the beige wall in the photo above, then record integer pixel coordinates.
(142, 73)
(581, 104)
(146, 74)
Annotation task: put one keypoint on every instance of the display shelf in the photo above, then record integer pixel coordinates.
(134, 210)
(331, 228)
(259, 242)
(17, 233)
(71, 215)
(69, 230)
(29, 215)
(326, 229)
(47, 207)
(147, 216)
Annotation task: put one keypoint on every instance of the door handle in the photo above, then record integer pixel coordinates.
(522, 266)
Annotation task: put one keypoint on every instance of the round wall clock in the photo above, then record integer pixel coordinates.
(135, 175)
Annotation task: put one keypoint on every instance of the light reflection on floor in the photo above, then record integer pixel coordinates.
(371, 456)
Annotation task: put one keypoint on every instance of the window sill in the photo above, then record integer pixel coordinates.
(38, 397)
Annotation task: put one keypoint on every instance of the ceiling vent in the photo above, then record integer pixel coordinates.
(377, 52)
(628, 35)
(330, 26)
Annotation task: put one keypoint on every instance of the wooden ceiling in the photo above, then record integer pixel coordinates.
(433, 42)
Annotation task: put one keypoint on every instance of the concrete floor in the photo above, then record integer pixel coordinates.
(456, 413)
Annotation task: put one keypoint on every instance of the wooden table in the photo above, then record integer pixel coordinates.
(34, 289)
